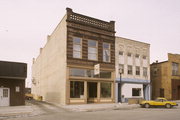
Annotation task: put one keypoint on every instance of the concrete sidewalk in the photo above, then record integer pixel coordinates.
(100, 107)
(15, 110)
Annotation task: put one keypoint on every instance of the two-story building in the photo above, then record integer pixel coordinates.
(64, 70)
(165, 78)
(132, 70)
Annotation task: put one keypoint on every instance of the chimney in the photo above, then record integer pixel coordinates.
(41, 50)
(33, 60)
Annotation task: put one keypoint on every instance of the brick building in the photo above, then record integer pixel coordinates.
(64, 70)
(165, 78)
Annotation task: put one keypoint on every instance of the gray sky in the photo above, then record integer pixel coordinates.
(25, 24)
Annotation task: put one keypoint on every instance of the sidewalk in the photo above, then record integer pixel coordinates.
(15, 110)
(100, 107)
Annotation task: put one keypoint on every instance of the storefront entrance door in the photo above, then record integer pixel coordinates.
(92, 92)
(4, 96)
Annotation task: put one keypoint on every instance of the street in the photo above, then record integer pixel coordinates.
(52, 112)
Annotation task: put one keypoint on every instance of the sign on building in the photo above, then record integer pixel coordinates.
(96, 69)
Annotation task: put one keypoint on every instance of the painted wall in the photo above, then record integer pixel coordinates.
(49, 69)
(127, 90)
(133, 47)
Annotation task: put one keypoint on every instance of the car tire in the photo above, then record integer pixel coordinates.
(147, 105)
(168, 106)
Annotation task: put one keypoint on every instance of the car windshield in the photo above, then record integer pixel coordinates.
(160, 100)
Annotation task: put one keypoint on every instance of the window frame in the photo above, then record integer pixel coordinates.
(139, 90)
(131, 70)
(145, 75)
(101, 95)
(76, 50)
(93, 47)
(109, 51)
(139, 72)
(122, 68)
(79, 90)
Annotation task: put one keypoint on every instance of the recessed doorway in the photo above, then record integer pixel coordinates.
(92, 92)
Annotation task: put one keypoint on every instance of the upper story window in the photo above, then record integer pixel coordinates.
(92, 50)
(120, 52)
(130, 69)
(137, 70)
(121, 66)
(106, 52)
(129, 54)
(144, 57)
(77, 47)
(137, 55)
(145, 71)
(175, 67)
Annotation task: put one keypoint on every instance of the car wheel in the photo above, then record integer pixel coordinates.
(147, 105)
(168, 106)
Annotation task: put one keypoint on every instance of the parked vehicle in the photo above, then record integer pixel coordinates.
(28, 96)
(159, 102)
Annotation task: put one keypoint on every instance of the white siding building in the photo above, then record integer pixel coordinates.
(133, 62)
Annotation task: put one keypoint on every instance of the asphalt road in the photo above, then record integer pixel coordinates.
(51, 112)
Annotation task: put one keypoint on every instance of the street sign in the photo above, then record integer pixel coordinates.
(96, 69)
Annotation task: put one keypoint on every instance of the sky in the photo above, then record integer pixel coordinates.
(25, 24)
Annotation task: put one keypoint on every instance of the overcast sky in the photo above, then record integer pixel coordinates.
(25, 24)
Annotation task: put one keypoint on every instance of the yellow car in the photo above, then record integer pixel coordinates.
(158, 102)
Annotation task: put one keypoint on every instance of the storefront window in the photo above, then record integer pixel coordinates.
(105, 90)
(76, 89)
(136, 91)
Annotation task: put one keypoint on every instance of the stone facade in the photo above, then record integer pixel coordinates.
(165, 78)
(63, 72)
(133, 58)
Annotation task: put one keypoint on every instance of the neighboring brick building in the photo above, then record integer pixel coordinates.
(12, 83)
(165, 78)
(133, 59)
(64, 70)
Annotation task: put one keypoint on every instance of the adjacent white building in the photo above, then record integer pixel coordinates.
(133, 63)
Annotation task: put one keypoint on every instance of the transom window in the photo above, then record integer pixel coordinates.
(77, 47)
(106, 52)
(92, 50)
(78, 72)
